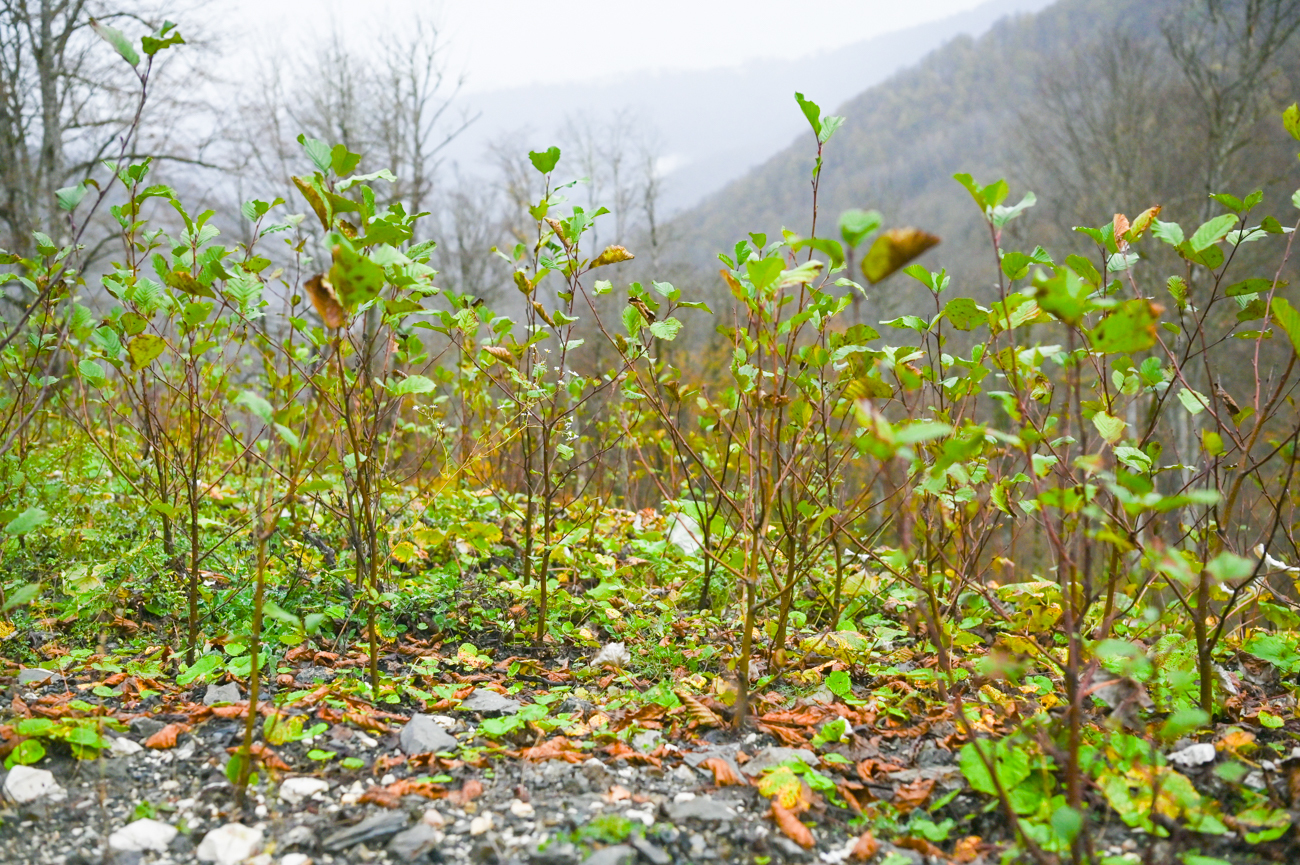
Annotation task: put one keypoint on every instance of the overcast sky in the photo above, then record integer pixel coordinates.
(508, 43)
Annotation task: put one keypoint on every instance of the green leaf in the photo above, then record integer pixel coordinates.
(200, 669)
(764, 271)
(118, 40)
(144, 349)
(28, 752)
(1212, 232)
(1194, 402)
(1289, 318)
(1129, 328)
(343, 161)
(666, 329)
(1110, 427)
(26, 521)
(857, 225)
(255, 404)
(70, 196)
(356, 279)
(412, 384)
(545, 160)
(1291, 120)
(22, 595)
(318, 152)
(812, 112)
(964, 313)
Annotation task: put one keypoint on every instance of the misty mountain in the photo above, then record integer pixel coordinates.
(968, 107)
(713, 125)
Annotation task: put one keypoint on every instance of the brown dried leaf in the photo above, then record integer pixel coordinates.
(723, 774)
(967, 849)
(920, 845)
(558, 748)
(866, 847)
(699, 713)
(469, 791)
(166, 737)
(503, 354)
(326, 301)
(913, 795)
(790, 825)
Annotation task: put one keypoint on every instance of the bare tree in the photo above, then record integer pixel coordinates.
(392, 100)
(1226, 51)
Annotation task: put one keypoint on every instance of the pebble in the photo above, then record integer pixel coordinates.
(379, 827)
(227, 693)
(1194, 755)
(775, 756)
(144, 834)
(480, 824)
(616, 854)
(522, 809)
(434, 818)
(411, 844)
(34, 676)
(24, 784)
(423, 735)
(230, 844)
(124, 747)
(486, 701)
(295, 859)
(296, 789)
(703, 808)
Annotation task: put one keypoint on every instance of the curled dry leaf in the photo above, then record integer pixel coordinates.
(723, 774)
(920, 845)
(612, 255)
(557, 748)
(701, 714)
(913, 795)
(866, 847)
(469, 791)
(967, 849)
(501, 353)
(790, 825)
(166, 737)
(326, 301)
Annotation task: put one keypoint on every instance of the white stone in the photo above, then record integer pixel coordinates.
(295, 859)
(612, 655)
(480, 824)
(25, 784)
(144, 834)
(522, 809)
(685, 534)
(295, 790)
(1194, 755)
(230, 844)
(124, 747)
(434, 818)
(260, 859)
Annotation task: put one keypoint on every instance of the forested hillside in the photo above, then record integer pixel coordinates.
(1082, 104)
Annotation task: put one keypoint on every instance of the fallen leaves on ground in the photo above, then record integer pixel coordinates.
(789, 824)
(166, 737)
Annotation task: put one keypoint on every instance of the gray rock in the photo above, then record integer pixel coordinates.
(298, 836)
(596, 773)
(617, 854)
(227, 693)
(422, 735)
(380, 827)
(34, 676)
(310, 675)
(647, 740)
(411, 844)
(555, 853)
(790, 849)
(769, 757)
(485, 701)
(651, 853)
(702, 808)
(143, 728)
